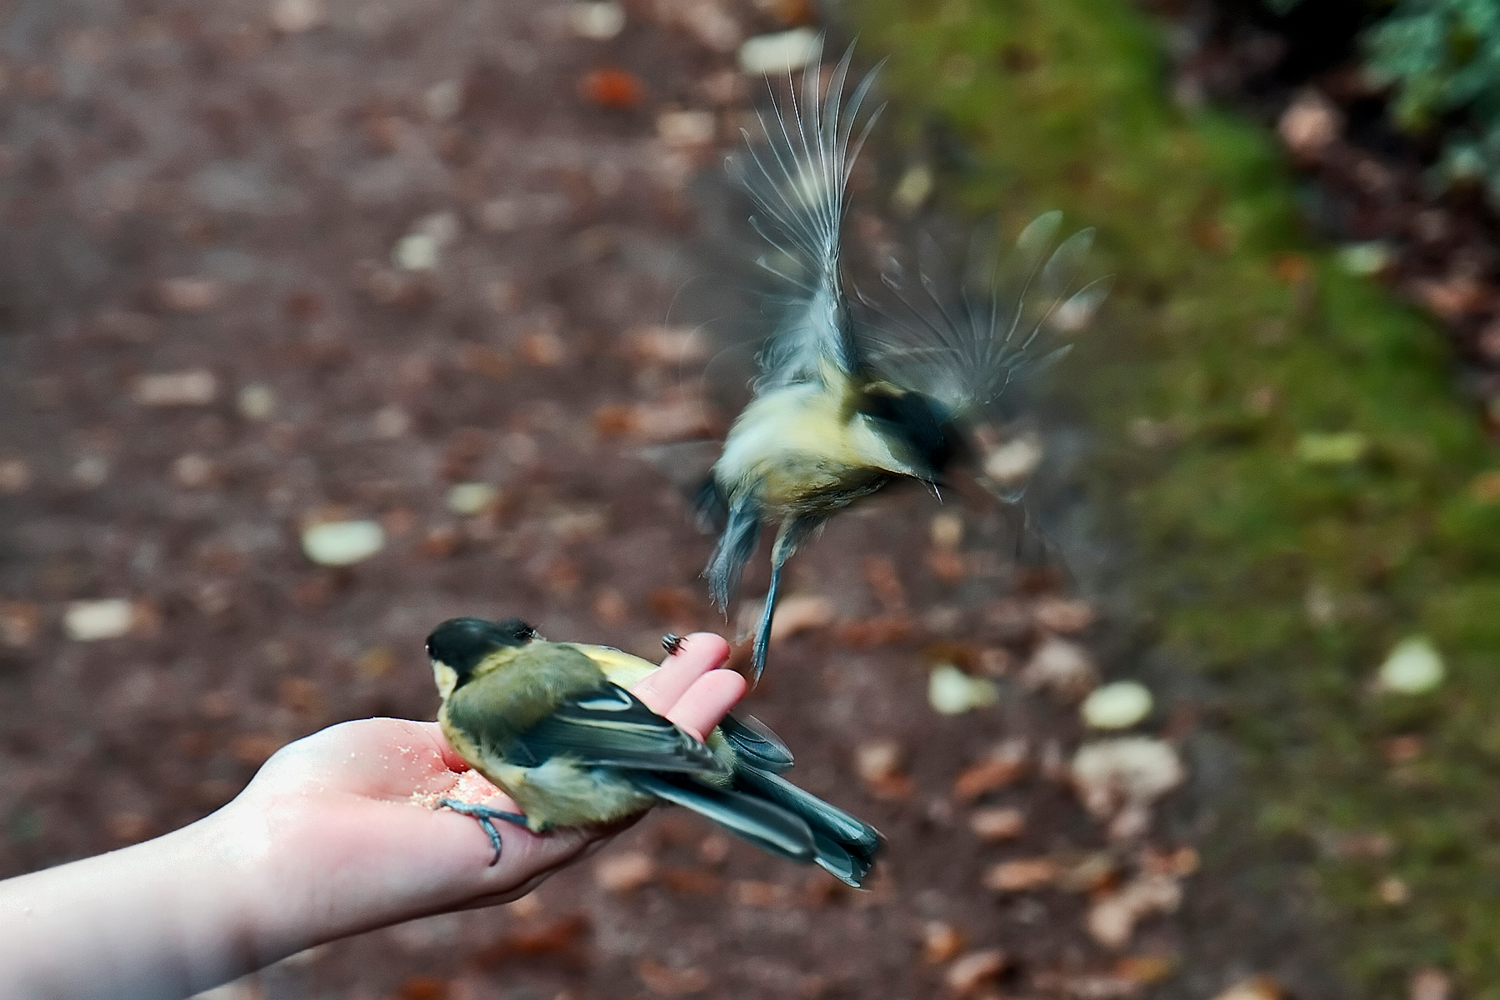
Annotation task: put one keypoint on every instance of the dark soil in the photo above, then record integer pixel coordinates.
(189, 188)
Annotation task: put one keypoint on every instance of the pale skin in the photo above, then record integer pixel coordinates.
(326, 841)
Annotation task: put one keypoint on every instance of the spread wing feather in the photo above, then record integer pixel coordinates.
(962, 340)
(797, 176)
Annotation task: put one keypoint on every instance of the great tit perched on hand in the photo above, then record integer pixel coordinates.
(846, 403)
(555, 726)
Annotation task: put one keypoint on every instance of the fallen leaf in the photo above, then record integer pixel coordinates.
(186, 388)
(189, 295)
(19, 623)
(1022, 875)
(666, 345)
(781, 52)
(528, 943)
(950, 691)
(1116, 706)
(1145, 969)
(1111, 919)
(686, 129)
(765, 895)
(885, 630)
(1413, 667)
(1056, 614)
(624, 872)
(878, 764)
(295, 16)
(968, 973)
(1005, 763)
(940, 942)
(998, 824)
(612, 88)
(691, 881)
(947, 565)
(1128, 773)
(1429, 984)
(1254, 988)
(800, 613)
(1062, 668)
(1310, 125)
(15, 476)
(1452, 299)
(342, 543)
(668, 982)
(597, 22)
(91, 621)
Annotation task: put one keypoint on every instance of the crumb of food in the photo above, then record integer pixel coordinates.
(471, 786)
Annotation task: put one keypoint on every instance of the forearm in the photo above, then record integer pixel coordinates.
(166, 918)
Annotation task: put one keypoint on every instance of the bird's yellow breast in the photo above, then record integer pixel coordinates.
(801, 441)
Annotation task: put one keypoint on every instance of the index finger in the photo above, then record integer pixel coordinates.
(696, 655)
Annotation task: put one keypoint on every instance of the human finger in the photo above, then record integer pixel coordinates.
(695, 656)
(708, 699)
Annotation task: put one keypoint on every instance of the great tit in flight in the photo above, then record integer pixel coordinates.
(555, 726)
(846, 402)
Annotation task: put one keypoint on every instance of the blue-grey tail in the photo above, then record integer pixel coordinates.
(797, 175)
(845, 845)
(734, 548)
(750, 817)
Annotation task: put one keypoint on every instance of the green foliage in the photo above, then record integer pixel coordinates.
(1444, 58)
(1281, 441)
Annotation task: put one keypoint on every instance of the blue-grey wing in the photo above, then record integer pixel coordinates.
(610, 727)
(756, 744)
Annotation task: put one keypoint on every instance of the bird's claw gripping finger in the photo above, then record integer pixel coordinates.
(486, 817)
(671, 642)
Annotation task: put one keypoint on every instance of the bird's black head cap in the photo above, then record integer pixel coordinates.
(462, 643)
(921, 423)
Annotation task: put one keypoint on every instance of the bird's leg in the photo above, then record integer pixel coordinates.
(671, 642)
(486, 815)
(788, 537)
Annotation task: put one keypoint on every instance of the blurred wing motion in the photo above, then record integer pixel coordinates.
(960, 336)
(798, 181)
(842, 408)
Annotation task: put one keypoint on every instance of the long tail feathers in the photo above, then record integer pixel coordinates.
(748, 817)
(797, 177)
(846, 845)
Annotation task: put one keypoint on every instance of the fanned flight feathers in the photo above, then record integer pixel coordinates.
(961, 336)
(798, 178)
(846, 403)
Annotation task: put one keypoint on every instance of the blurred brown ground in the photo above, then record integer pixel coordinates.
(218, 191)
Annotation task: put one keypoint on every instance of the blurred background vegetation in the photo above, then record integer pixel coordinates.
(1281, 440)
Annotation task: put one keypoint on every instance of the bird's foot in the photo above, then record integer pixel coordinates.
(671, 642)
(486, 815)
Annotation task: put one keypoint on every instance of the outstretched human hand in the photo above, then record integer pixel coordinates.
(339, 805)
(335, 835)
